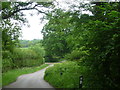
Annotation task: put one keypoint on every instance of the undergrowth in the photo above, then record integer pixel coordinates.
(66, 75)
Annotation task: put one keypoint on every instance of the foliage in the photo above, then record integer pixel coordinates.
(7, 63)
(93, 40)
(13, 18)
(13, 9)
(39, 50)
(103, 45)
(29, 43)
(55, 34)
(66, 75)
(10, 35)
(23, 57)
(11, 76)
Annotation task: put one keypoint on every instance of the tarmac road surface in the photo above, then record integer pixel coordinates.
(33, 80)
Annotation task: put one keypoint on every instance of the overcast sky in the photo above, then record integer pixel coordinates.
(34, 31)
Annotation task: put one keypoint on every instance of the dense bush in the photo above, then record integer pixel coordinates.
(7, 62)
(66, 75)
(39, 50)
(78, 54)
(93, 40)
(23, 57)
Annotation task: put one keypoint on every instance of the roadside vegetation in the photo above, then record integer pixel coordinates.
(22, 60)
(86, 35)
(12, 75)
(23, 57)
(66, 75)
(17, 54)
(93, 41)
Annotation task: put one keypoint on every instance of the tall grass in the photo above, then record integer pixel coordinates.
(21, 57)
(65, 75)
(0, 72)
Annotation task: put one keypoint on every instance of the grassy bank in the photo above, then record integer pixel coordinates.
(11, 76)
(0, 80)
(65, 75)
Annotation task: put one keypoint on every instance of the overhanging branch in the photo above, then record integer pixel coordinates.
(10, 14)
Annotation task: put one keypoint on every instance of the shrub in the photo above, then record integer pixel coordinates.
(65, 75)
(23, 57)
(7, 62)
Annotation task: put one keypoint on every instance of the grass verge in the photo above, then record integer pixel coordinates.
(65, 75)
(11, 76)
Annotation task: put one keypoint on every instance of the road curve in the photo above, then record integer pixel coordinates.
(33, 80)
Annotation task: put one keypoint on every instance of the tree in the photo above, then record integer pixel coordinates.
(92, 40)
(12, 20)
(55, 33)
(104, 43)
(13, 9)
(12, 17)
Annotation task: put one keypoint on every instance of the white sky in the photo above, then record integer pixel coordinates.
(34, 31)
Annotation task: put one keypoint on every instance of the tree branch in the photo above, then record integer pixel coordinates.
(18, 10)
